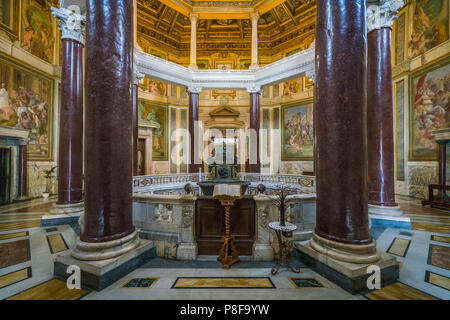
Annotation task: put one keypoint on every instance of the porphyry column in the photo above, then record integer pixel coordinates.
(108, 226)
(342, 224)
(254, 156)
(195, 159)
(70, 162)
(137, 77)
(380, 135)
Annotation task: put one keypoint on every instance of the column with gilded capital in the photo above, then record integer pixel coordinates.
(254, 156)
(195, 162)
(70, 162)
(255, 17)
(193, 60)
(380, 136)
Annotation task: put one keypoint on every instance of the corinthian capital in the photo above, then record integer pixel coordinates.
(383, 15)
(71, 23)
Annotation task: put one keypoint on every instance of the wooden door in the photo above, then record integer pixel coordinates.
(210, 225)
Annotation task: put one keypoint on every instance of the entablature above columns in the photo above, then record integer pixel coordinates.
(292, 67)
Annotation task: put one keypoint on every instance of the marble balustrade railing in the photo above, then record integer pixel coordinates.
(169, 221)
(162, 182)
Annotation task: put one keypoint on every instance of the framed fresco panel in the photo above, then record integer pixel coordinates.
(38, 32)
(26, 102)
(297, 136)
(9, 18)
(156, 115)
(429, 109)
(430, 25)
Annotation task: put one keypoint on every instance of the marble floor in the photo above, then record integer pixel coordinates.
(27, 252)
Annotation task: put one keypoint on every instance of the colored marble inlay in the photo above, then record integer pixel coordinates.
(219, 282)
(56, 243)
(439, 256)
(5, 226)
(399, 247)
(398, 291)
(437, 280)
(13, 235)
(140, 283)
(37, 208)
(14, 277)
(440, 239)
(12, 253)
(50, 290)
(23, 216)
(431, 227)
(51, 229)
(306, 283)
(405, 233)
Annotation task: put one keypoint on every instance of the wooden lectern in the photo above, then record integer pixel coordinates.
(227, 194)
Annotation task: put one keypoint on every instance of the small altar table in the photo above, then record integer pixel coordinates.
(284, 253)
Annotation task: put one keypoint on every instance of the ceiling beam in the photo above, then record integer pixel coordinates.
(289, 13)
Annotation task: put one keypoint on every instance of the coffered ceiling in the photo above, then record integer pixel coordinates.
(225, 25)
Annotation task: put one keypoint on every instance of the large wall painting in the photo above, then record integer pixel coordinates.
(430, 25)
(429, 109)
(297, 132)
(9, 18)
(26, 102)
(156, 115)
(38, 29)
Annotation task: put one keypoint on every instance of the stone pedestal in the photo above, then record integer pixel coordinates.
(98, 275)
(352, 277)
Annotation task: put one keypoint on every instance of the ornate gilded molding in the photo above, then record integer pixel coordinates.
(72, 24)
(383, 15)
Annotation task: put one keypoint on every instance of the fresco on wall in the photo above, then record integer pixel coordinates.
(158, 88)
(26, 103)
(430, 109)
(152, 114)
(298, 135)
(37, 30)
(292, 87)
(430, 25)
(5, 12)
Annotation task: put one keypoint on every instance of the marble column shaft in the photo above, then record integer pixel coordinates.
(70, 165)
(380, 136)
(135, 128)
(254, 125)
(23, 171)
(340, 122)
(109, 121)
(194, 166)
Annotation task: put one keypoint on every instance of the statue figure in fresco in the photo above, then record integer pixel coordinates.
(153, 119)
(6, 111)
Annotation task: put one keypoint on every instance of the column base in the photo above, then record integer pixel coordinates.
(187, 251)
(388, 217)
(67, 208)
(193, 67)
(96, 251)
(352, 277)
(385, 210)
(351, 253)
(253, 67)
(262, 252)
(98, 275)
